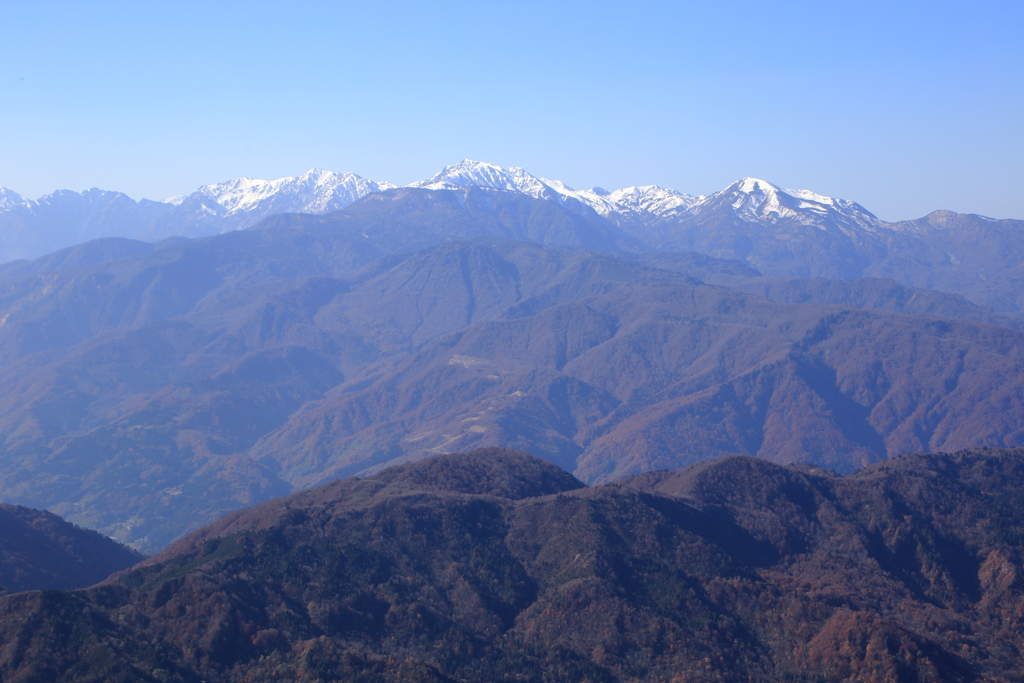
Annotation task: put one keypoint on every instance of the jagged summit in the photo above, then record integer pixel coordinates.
(10, 198)
(470, 173)
(779, 231)
(653, 200)
(631, 203)
(243, 201)
(315, 191)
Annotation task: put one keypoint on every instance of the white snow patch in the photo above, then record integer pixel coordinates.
(9, 199)
(649, 199)
(315, 191)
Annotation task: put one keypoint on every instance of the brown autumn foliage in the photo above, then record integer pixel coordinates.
(147, 393)
(731, 570)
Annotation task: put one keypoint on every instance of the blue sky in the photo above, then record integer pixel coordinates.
(904, 107)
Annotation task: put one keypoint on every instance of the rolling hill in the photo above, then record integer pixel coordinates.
(39, 550)
(493, 565)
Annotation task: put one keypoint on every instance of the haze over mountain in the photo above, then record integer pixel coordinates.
(152, 388)
(796, 233)
(494, 565)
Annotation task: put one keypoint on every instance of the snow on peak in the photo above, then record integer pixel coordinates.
(749, 185)
(761, 199)
(469, 173)
(630, 201)
(812, 197)
(754, 199)
(9, 199)
(807, 198)
(653, 199)
(319, 190)
(315, 191)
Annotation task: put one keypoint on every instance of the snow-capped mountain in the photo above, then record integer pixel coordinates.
(468, 173)
(630, 204)
(315, 191)
(779, 231)
(242, 203)
(668, 219)
(648, 201)
(31, 228)
(758, 200)
(10, 198)
(648, 213)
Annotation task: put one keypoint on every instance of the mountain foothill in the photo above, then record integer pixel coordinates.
(495, 565)
(39, 550)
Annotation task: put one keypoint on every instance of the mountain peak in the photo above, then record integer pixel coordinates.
(322, 174)
(10, 198)
(756, 200)
(756, 185)
(317, 190)
(470, 173)
(651, 199)
(634, 203)
(749, 185)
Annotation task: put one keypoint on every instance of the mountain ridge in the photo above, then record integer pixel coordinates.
(216, 373)
(731, 570)
(789, 233)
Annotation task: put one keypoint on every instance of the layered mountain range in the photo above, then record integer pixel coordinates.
(494, 565)
(781, 232)
(721, 391)
(152, 387)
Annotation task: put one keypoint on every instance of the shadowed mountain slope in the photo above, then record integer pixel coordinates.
(656, 376)
(147, 395)
(875, 294)
(110, 292)
(174, 367)
(40, 550)
(871, 293)
(732, 570)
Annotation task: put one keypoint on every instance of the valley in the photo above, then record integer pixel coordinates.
(153, 387)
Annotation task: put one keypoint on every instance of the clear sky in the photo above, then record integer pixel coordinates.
(904, 107)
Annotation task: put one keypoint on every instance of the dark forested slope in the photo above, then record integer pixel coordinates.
(493, 565)
(40, 550)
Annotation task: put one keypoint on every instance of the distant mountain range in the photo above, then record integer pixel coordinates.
(177, 361)
(794, 233)
(496, 566)
(151, 388)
